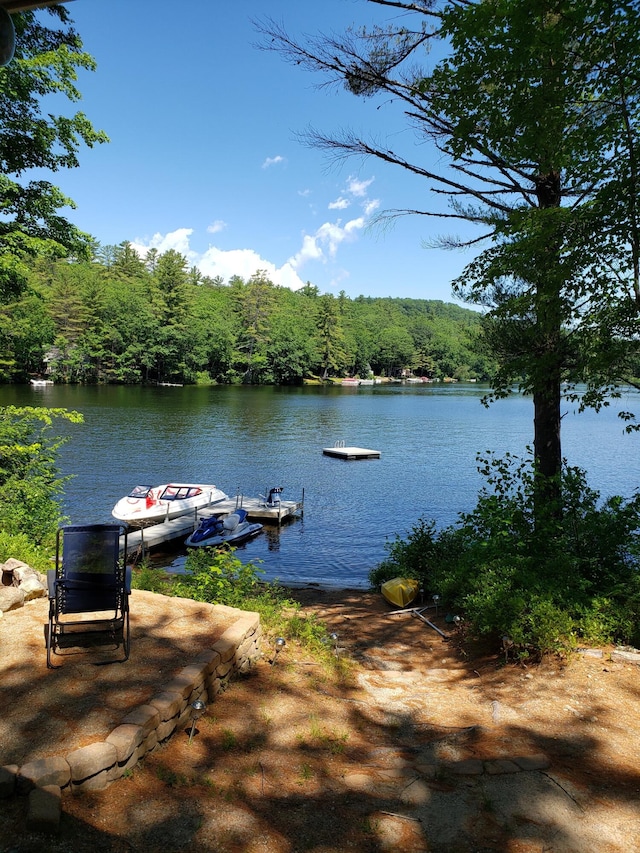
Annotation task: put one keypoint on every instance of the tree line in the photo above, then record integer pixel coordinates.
(120, 319)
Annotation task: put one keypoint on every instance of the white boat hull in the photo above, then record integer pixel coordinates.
(153, 505)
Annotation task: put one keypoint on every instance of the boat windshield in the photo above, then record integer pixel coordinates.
(179, 493)
(140, 492)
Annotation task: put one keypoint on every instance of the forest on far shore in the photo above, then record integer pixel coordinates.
(119, 319)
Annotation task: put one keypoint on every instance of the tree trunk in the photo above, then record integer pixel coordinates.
(547, 447)
(546, 441)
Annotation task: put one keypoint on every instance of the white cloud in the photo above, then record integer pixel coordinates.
(245, 262)
(338, 278)
(339, 204)
(326, 240)
(286, 276)
(217, 262)
(178, 240)
(358, 188)
(310, 251)
(324, 243)
(320, 246)
(354, 225)
(272, 161)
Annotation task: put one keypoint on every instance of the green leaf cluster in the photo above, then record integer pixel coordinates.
(218, 577)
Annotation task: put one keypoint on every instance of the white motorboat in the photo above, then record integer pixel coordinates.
(155, 504)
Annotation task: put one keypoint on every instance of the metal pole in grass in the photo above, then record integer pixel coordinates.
(507, 643)
(334, 638)
(279, 644)
(197, 710)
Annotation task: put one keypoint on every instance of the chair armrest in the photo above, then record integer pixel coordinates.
(127, 580)
(51, 582)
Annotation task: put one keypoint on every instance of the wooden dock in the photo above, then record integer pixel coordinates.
(342, 452)
(257, 509)
(144, 539)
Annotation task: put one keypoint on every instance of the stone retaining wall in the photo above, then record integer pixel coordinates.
(96, 766)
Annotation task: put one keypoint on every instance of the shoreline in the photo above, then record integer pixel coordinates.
(322, 587)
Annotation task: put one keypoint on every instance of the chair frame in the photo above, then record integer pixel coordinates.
(74, 591)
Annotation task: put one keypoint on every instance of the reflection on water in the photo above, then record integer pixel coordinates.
(250, 439)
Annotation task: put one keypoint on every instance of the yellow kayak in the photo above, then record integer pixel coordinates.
(400, 591)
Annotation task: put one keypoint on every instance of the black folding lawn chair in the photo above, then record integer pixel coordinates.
(91, 583)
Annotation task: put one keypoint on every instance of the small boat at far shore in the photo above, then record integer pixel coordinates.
(155, 504)
(400, 591)
(214, 532)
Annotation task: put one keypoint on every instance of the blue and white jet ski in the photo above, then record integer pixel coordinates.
(232, 529)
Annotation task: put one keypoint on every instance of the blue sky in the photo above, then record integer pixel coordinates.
(204, 157)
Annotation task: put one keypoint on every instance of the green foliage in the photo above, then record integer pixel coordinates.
(32, 228)
(21, 546)
(115, 320)
(409, 558)
(229, 740)
(30, 483)
(546, 579)
(309, 631)
(145, 577)
(530, 115)
(218, 577)
(46, 63)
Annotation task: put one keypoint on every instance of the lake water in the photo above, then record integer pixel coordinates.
(250, 439)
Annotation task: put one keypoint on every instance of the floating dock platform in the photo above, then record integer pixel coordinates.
(257, 508)
(342, 452)
(140, 540)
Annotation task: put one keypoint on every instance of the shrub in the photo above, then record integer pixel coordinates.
(145, 577)
(30, 483)
(545, 578)
(21, 547)
(415, 556)
(219, 577)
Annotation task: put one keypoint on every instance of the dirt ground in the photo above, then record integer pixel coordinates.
(420, 743)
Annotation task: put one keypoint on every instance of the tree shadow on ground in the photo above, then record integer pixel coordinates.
(299, 757)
